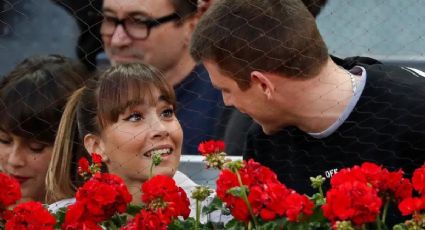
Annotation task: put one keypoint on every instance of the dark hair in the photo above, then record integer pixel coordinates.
(185, 8)
(277, 36)
(92, 108)
(315, 6)
(33, 95)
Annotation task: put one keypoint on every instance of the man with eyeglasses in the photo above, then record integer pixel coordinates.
(158, 32)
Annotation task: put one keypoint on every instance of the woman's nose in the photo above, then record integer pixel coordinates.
(16, 156)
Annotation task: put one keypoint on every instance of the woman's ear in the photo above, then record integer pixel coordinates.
(94, 144)
(262, 81)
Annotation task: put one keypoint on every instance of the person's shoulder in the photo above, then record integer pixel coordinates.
(182, 180)
(53, 208)
(400, 75)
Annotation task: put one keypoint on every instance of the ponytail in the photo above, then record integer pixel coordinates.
(61, 174)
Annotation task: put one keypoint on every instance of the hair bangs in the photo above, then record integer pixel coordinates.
(29, 112)
(129, 85)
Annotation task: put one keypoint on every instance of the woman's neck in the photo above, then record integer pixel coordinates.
(135, 190)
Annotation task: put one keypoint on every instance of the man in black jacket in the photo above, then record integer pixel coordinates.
(270, 62)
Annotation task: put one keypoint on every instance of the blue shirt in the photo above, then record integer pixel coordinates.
(199, 106)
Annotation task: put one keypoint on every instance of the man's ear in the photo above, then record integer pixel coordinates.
(261, 80)
(94, 144)
(190, 27)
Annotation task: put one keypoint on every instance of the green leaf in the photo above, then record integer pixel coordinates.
(133, 209)
(400, 227)
(215, 205)
(60, 217)
(176, 225)
(238, 191)
(234, 225)
(118, 220)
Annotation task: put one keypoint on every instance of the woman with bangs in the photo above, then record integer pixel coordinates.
(125, 116)
(32, 98)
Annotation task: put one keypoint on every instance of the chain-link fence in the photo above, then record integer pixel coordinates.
(388, 30)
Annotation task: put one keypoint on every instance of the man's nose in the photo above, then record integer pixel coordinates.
(120, 37)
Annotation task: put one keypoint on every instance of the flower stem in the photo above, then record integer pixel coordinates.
(250, 225)
(151, 171)
(384, 212)
(198, 214)
(321, 191)
(378, 223)
(245, 198)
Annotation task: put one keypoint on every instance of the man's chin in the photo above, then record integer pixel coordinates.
(124, 60)
(269, 130)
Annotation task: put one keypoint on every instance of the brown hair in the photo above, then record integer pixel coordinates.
(315, 6)
(91, 109)
(185, 8)
(33, 95)
(277, 36)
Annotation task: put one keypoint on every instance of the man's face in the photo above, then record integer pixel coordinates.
(251, 101)
(163, 47)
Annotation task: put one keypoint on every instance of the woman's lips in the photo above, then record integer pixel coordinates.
(21, 179)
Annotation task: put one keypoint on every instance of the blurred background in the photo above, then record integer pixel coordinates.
(388, 30)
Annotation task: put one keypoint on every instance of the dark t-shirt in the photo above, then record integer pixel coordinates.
(199, 107)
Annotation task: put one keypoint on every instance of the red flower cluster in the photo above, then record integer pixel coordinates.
(354, 201)
(97, 200)
(30, 215)
(148, 220)
(211, 147)
(164, 189)
(164, 201)
(356, 192)
(85, 168)
(413, 205)
(388, 184)
(10, 191)
(268, 197)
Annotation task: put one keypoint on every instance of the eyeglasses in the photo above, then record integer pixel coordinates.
(135, 28)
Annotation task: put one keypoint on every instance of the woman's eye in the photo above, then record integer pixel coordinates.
(5, 141)
(134, 117)
(37, 147)
(167, 113)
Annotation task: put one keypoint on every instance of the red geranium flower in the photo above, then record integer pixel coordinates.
(162, 195)
(96, 159)
(267, 196)
(298, 206)
(10, 191)
(211, 147)
(253, 173)
(388, 184)
(30, 215)
(267, 200)
(83, 166)
(98, 199)
(86, 225)
(411, 205)
(353, 200)
(418, 180)
(348, 174)
(148, 220)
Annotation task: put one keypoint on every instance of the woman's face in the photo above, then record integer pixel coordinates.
(27, 161)
(140, 131)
